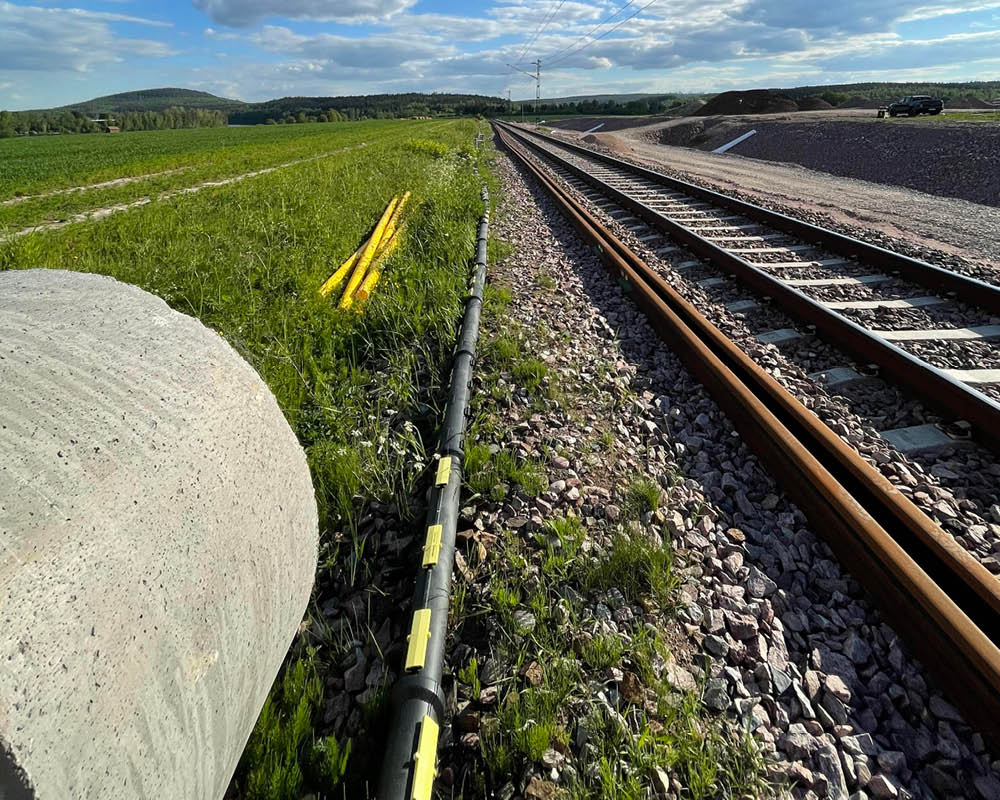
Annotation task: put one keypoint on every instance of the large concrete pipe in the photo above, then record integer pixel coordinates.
(158, 540)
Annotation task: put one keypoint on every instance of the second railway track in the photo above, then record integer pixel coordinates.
(926, 329)
(937, 595)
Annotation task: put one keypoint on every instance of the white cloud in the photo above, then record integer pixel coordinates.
(369, 52)
(456, 29)
(56, 39)
(221, 36)
(107, 16)
(930, 12)
(242, 13)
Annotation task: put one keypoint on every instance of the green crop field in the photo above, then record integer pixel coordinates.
(38, 163)
(362, 392)
(35, 173)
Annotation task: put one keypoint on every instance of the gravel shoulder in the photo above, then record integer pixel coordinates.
(958, 227)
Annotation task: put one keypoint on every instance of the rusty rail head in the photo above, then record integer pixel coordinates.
(856, 522)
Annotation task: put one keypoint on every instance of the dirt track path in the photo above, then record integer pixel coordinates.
(95, 214)
(956, 226)
(88, 187)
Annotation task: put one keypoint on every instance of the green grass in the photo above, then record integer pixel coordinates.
(490, 474)
(637, 568)
(641, 497)
(529, 373)
(282, 755)
(364, 394)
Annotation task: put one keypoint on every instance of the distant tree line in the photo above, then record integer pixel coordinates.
(23, 123)
(659, 104)
(838, 93)
(289, 110)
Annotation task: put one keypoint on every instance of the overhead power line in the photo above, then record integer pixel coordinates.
(538, 31)
(597, 38)
(604, 21)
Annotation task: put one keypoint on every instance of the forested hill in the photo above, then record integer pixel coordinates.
(371, 106)
(153, 100)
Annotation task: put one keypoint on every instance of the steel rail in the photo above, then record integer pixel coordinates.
(418, 701)
(933, 385)
(944, 603)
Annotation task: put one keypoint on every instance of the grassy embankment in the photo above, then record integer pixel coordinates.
(363, 393)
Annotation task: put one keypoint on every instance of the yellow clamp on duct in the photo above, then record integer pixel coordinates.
(424, 760)
(432, 548)
(444, 471)
(420, 634)
(366, 257)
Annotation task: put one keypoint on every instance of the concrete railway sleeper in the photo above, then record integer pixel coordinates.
(954, 391)
(941, 599)
(418, 701)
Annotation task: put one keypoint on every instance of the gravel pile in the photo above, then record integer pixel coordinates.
(884, 290)
(974, 354)
(791, 646)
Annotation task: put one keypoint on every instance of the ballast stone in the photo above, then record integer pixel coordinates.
(159, 535)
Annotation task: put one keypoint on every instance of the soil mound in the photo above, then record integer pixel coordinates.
(813, 103)
(687, 132)
(862, 102)
(687, 109)
(608, 142)
(967, 101)
(755, 101)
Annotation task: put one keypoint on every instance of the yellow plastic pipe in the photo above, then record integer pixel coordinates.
(393, 224)
(390, 240)
(338, 277)
(398, 213)
(366, 256)
(365, 289)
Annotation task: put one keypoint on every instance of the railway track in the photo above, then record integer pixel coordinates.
(937, 595)
(928, 330)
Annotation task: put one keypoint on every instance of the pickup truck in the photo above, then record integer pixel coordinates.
(915, 104)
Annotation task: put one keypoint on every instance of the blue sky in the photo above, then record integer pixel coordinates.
(54, 52)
